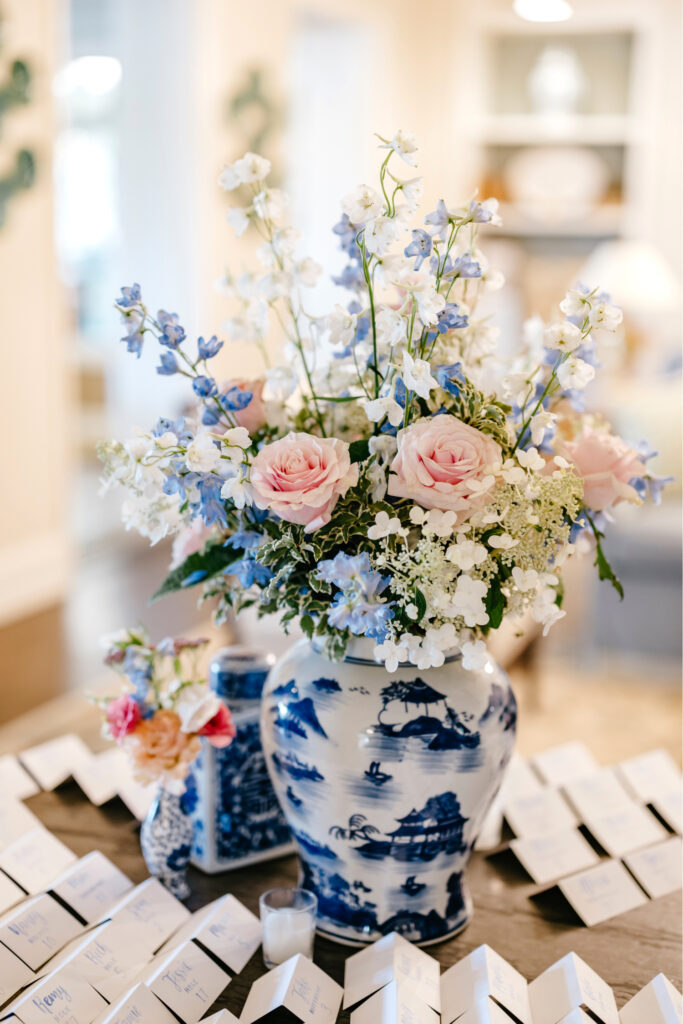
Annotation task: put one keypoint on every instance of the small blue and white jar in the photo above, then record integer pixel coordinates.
(237, 819)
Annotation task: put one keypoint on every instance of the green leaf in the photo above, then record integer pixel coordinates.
(605, 570)
(495, 603)
(359, 451)
(420, 603)
(307, 625)
(198, 568)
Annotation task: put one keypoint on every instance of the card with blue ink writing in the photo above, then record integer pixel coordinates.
(602, 892)
(298, 986)
(99, 777)
(138, 1006)
(52, 763)
(109, 958)
(658, 868)
(61, 997)
(153, 910)
(392, 958)
(231, 932)
(14, 974)
(658, 1003)
(648, 775)
(188, 982)
(36, 859)
(562, 764)
(567, 985)
(597, 794)
(37, 929)
(394, 1004)
(539, 814)
(625, 828)
(484, 973)
(546, 858)
(91, 886)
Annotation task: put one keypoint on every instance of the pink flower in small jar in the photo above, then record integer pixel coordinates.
(300, 478)
(160, 749)
(220, 730)
(123, 715)
(606, 465)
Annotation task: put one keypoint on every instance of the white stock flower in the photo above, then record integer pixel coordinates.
(391, 326)
(166, 440)
(575, 374)
(417, 376)
(605, 316)
(247, 169)
(238, 220)
(362, 205)
(412, 193)
(236, 490)
(530, 459)
(203, 454)
(565, 336)
(377, 408)
(236, 437)
(466, 554)
(475, 655)
(380, 233)
(404, 144)
(385, 526)
(341, 326)
(271, 204)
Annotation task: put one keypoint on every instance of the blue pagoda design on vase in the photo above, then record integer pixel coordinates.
(421, 835)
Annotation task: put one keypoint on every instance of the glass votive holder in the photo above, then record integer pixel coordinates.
(288, 920)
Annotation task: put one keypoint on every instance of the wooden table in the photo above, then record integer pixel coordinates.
(626, 951)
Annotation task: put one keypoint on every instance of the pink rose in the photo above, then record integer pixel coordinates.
(606, 464)
(220, 730)
(160, 748)
(123, 714)
(438, 461)
(300, 478)
(253, 416)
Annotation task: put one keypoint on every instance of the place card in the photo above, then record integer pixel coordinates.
(188, 982)
(602, 892)
(520, 779)
(658, 868)
(626, 828)
(485, 1011)
(231, 932)
(648, 775)
(577, 1016)
(299, 986)
(38, 929)
(395, 1004)
(392, 958)
(137, 797)
(15, 821)
(52, 763)
(222, 1017)
(540, 814)
(597, 794)
(62, 997)
(658, 1003)
(15, 781)
(559, 765)
(669, 807)
(568, 985)
(484, 973)
(91, 886)
(10, 893)
(99, 776)
(139, 1006)
(549, 857)
(35, 859)
(14, 974)
(109, 958)
(153, 910)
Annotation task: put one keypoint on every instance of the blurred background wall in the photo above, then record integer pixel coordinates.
(130, 110)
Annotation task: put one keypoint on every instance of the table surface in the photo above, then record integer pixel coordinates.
(626, 951)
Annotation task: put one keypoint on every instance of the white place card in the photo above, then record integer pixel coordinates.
(392, 958)
(658, 1003)
(153, 909)
(481, 974)
(15, 821)
(15, 781)
(188, 982)
(669, 806)
(547, 858)
(37, 929)
(559, 765)
(520, 779)
(36, 859)
(539, 815)
(394, 1004)
(99, 776)
(52, 763)
(139, 1006)
(299, 986)
(567, 985)
(626, 828)
(91, 886)
(10, 893)
(231, 932)
(485, 1011)
(14, 974)
(648, 775)
(109, 958)
(602, 892)
(62, 997)
(577, 1016)
(658, 868)
(222, 1017)
(597, 794)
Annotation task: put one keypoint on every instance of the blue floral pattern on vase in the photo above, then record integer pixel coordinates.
(385, 779)
(166, 838)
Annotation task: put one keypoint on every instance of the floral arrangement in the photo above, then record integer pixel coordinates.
(392, 477)
(164, 708)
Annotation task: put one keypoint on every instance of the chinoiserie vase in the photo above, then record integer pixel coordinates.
(385, 779)
(237, 817)
(166, 837)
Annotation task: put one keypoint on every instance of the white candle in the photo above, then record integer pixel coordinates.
(287, 932)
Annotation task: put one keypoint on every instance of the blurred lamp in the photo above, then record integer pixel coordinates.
(543, 10)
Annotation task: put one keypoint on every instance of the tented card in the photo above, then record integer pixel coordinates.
(52, 763)
(36, 859)
(99, 776)
(658, 868)
(394, 1004)
(61, 997)
(153, 909)
(625, 828)
(37, 929)
(10, 893)
(648, 775)
(139, 1006)
(602, 892)
(547, 858)
(481, 974)
(566, 763)
(577, 1016)
(669, 806)
(231, 932)
(392, 958)
(520, 780)
(15, 780)
(222, 1017)
(14, 974)
(485, 1011)
(137, 797)
(540, 814)
(299, 986)
(110, 958)
(658, 1003)
(597, 794)
(188, 982)
(567, 985)
(15, 821)
(91, 886)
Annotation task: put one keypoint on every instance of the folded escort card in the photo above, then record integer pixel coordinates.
(577, 1016)
(597, 794)
(15, 781)
(540, 814)
(669, 807)
(36, 859)
(52, 763)
(231, 932)
(222, 1017)
(658, 868)
(392, 958)
(14, 974)
(568, 985)
(153, 910)
(62, 997)
(486, 1011)
(10, 893)
(602, 892)
(484, 973)
(99, 776)
(559, 765)
(37, 929)
(297, 985)
(658, 1003)
(394, 1004)
(137, 797)
(547, 858)
(188, 982)
(91, 886)
(15, 821)
(138, 1006)
(109, 958)
(625, 828)
(648, 775)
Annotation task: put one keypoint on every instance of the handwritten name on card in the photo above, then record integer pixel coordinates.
(188, 982)
(153, 910)
(648, 775)
(392, 958)
(299, 986)
(99, 776)
(547, 858)
(52, 763)
(91, 886)
(231, 932)
(602, 892)
(597, 794)
(61, 997)
(109, 958)
(36, 859)
(626, 828)
(38, 929)
(484, 973)
(568, 985)
(658, 868)
(540, 815)
(565, 763)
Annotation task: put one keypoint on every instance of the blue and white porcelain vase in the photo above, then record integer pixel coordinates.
(166, 837)
(385, 779)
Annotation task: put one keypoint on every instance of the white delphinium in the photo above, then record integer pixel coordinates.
(341, 326)
(362, 205)
(238, 219)
(391, 327)
(575, 374)
(404, 144)
(539, 424)
(417, 376)
(247, 170)
(412, 191)
(203, 454)
(600, 313)
(564, 336)
(270, 204)
(381, 233)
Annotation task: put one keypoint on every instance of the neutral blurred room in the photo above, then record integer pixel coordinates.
(116, 118)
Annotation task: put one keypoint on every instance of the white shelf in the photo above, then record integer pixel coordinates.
(537, 130)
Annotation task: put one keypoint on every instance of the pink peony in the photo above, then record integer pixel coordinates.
(220, 730)
(606, 464)
(123, 715)
(300, 478)
(438, 461)
(253, 416)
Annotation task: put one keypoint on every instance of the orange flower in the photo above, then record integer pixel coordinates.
(160, 749)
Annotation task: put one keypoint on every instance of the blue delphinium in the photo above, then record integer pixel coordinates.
(235, 399)
(465, 266)
(130, 296)
(168, 364)
(205, 387)
(209, 349)
(173, 334)
(420, 247)
(450, 377)
(135, 337)
(438, 219)
(358, 606)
